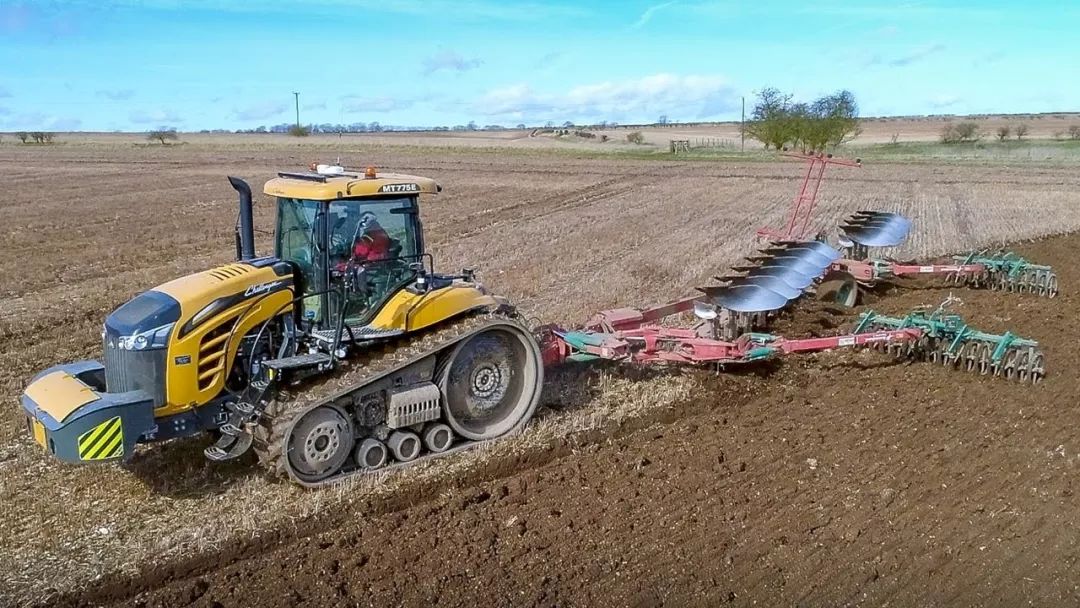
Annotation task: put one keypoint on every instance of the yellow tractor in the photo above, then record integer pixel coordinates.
(342, 353)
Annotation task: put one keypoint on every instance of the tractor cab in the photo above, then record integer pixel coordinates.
(354, 238)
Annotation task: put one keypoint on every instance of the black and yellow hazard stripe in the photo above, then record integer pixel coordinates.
(105, 440)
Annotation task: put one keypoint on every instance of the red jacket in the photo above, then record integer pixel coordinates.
(373, 245)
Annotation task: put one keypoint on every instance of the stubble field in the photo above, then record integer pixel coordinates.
(632, 487)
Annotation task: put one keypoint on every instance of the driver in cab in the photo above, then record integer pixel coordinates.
(369, 242)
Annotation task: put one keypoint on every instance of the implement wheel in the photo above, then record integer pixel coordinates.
(491, 382)
(839, 288)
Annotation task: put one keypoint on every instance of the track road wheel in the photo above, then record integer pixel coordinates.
(370, 454)
(438, 437)
(404, 445)
(1051, 285)
(320, 443)
(491, 383)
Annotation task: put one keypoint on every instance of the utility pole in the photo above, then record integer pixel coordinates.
(742, 127)
(296, 94)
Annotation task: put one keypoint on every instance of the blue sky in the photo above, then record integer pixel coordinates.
(200, 64)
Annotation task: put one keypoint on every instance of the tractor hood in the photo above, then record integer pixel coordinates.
(204, 295)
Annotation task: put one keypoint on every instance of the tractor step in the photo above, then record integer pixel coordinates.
(297, 362)
(355, 333)
(228, 446)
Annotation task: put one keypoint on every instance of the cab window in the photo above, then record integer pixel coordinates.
(381, 238)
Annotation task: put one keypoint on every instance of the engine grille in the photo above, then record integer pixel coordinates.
(129, 370)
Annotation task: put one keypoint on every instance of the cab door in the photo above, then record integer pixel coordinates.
(378, 240)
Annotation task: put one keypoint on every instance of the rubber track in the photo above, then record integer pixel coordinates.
(378, 361)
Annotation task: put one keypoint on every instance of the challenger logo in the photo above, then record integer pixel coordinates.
(400, 188)
(104, 441)
(255, 290)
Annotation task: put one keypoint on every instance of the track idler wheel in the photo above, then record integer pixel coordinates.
(491, 383)
(320, 443)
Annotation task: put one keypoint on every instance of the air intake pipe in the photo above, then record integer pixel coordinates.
(245, 224)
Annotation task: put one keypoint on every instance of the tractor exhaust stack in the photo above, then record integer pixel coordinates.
(245, 227)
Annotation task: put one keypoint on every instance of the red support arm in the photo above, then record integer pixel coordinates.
(806, 345)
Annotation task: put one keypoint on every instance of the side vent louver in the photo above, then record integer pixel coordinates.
(212, 354)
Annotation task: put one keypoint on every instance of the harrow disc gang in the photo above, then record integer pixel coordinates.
(950, 342)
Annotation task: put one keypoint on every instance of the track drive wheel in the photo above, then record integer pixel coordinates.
(320, 443)
(491, 382)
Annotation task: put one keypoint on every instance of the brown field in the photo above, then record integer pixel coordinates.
(907, 130)
(632, 487)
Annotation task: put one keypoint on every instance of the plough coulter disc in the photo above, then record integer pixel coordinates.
(800, 265)
(816, 246)
(768, 282)
(789, 275)
(747, 298)
(876, 228)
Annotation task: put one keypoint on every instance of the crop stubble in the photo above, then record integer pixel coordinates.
(89, 227)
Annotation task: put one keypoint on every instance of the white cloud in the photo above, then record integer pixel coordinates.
(31, 121)
(647, 15)
(156, 117)
(681, 97)
(260, 111)
(450, 60)
(315, 105)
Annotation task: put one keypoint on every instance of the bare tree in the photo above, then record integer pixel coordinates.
(964, 132)
(1021, 131)
(1003, 132)
(163, 135)
(23, 136)
(1074, 132)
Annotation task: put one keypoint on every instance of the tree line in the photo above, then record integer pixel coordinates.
(779, 121)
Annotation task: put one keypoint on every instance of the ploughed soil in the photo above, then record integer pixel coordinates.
(834, 479)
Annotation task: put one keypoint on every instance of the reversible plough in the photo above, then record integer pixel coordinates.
(797, 259)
